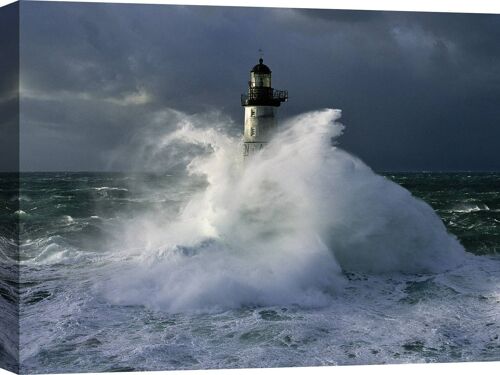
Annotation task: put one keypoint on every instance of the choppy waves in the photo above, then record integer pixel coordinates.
(302, 256)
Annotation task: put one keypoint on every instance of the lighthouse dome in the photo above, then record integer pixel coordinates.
(261, 68)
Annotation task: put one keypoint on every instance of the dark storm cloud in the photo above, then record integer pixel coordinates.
(423, 89)
(418, 90)
(9, 93)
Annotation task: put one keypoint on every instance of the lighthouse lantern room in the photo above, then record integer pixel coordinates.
(260, 104)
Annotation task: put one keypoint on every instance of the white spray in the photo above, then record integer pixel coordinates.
(280, 229)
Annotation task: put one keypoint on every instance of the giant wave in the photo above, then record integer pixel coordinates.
(281, 228)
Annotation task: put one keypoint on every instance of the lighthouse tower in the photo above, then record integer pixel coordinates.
(260, 104)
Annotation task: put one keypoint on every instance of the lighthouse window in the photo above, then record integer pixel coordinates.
(252, 132)
(252, 113)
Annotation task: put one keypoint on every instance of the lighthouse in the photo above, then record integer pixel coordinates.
(261, 103)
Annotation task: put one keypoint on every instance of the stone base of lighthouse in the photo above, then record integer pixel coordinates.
(260, 125)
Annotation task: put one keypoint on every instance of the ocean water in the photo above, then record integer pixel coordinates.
(302, 256)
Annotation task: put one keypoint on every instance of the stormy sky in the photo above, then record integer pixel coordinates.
(9, 88)
(418, 91)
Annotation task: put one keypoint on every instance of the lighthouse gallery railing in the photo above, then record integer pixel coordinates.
(268, 96)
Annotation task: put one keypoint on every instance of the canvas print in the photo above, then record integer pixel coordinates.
(207, 187)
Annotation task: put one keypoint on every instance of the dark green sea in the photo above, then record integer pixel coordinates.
(467, 202)
(88, 289)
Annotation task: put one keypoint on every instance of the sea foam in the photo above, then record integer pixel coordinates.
(277, 229)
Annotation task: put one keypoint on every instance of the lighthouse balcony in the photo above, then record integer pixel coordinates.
(264, 96)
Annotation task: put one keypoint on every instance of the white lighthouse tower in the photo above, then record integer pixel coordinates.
(260, 104)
